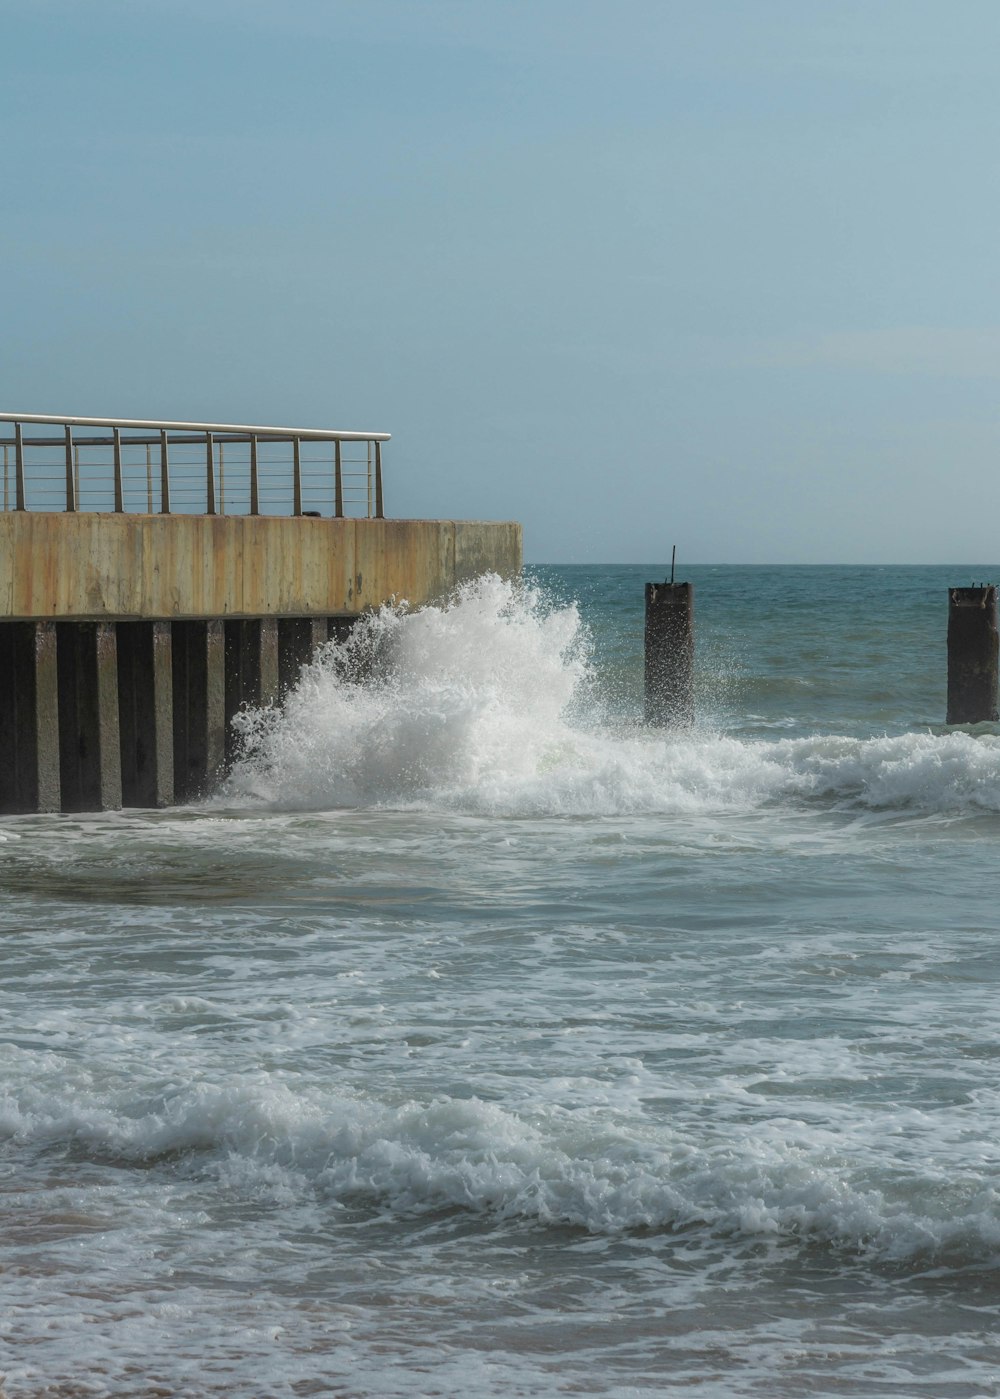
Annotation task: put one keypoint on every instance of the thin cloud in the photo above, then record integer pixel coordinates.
(937, 351)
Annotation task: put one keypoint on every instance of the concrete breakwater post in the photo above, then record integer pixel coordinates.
(973, 651)
(669, 653)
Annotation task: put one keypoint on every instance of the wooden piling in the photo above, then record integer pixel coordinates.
(973, 650)
(669, 647)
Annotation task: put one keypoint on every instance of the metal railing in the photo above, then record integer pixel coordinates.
(149, 467)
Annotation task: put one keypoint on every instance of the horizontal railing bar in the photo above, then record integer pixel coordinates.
(311, 434)
(175, 440)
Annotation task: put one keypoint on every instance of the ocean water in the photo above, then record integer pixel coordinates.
(477, 1041)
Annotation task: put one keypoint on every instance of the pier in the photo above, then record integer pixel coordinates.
(157, 576)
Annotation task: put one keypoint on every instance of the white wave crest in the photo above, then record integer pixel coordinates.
(781, 1179)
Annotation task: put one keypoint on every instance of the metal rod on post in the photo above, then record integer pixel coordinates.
(973, 649)
(18, 468)
(119, 488)
(296, 477)
(70, 479)
(149, 479)
(254, 481)
(338, 482)
(369, 446)
(6, 481)
(164, 474)
(209, 474)
(379, 513)
(222, 478)
(76, 473)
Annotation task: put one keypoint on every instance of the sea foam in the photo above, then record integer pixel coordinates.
(490, 704)
(780, 1179)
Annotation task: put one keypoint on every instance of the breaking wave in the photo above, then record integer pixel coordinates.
(781, 1179)
(490, 704)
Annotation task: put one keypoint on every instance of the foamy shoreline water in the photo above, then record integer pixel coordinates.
(476, 1042)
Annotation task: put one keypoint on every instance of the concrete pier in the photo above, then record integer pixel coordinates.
(127, 643)
(137, 616)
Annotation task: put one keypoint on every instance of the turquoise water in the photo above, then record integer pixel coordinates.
(800, 650)
(477, 1041)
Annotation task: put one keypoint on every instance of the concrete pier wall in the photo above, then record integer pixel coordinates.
(127, 643)
(88, 567)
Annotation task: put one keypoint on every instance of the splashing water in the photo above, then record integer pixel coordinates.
(489, 704)
(458, 700)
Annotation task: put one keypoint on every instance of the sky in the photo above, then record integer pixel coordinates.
(719, 273)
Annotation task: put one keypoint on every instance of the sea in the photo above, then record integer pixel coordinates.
(475, 1040)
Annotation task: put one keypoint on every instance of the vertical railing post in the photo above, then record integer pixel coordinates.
(76, 474)
(70, 479)
(210, 474)
(119, 488)
(369, 446)
(149, 479)
(379, 515)
(222, 478)
(254, 481)
(6, 481)
(164, 474)
(18, 467)
(338, 482)
(296, 477)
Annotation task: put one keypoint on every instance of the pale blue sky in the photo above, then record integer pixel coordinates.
(719, 272)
